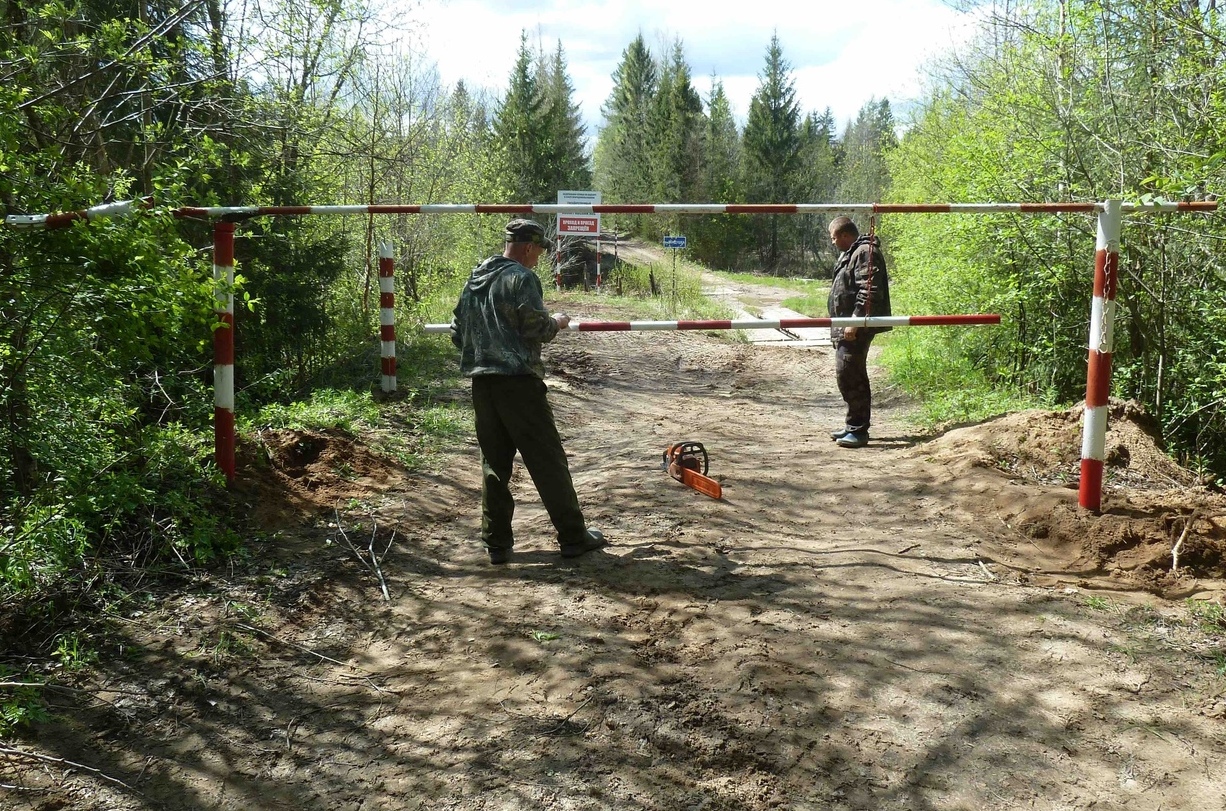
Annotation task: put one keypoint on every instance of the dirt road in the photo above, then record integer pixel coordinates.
(920, 624)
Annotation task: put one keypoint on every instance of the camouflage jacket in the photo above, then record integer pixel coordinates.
(849, 290)
(500, 321)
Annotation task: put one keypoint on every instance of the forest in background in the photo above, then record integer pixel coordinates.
(105, 349)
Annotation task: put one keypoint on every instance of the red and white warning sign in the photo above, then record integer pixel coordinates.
(578, 223)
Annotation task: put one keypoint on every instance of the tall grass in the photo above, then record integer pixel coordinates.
(949, 386)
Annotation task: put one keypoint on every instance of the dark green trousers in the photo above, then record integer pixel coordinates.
(513, 414)
(851, 372)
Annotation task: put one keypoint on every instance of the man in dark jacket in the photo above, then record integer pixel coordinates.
(499, 325)
(860, 287)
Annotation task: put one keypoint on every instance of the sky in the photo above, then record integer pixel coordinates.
(842, 53)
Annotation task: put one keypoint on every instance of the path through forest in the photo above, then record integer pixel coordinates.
(926, 623)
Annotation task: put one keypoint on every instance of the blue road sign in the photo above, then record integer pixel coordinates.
(676, 241)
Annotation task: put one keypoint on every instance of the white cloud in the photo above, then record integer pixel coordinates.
(842, 54)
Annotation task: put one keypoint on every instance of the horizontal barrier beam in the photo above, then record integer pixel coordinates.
(64, 219)
(692, 208)
(784, 323)
(51, 222)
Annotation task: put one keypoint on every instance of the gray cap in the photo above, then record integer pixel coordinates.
(528, 231)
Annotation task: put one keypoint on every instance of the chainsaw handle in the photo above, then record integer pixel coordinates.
(679, 453)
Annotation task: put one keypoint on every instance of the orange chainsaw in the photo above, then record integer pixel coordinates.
(687, 463)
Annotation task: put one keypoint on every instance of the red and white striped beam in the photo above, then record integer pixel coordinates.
(387, 316)
(223, 348)
(65, 219)
(52, 222)
(1102, 343)
(782, 323)
(690, 208)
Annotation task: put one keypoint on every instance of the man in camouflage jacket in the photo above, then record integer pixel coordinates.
(499, 326)
(860, 287)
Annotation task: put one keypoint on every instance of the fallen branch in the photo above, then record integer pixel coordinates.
(274, 638)
(1175, 550)
(561, 724)
(4, 750)
(304, 649)
(374, 562)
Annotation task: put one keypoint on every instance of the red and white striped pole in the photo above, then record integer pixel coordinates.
(387, 316)
(223, 348)
(762, 323)
(1102, 341)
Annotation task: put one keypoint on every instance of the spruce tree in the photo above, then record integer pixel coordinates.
(568, 162)
(622, 170)
(720, 240)
(520, 130)
(720, 169)
(816, 181)
(676, 135)
(772, 144)
(865, 178)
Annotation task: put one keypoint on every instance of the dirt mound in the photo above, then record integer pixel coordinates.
(1160, 529)
(295, 476)
(1044, 446)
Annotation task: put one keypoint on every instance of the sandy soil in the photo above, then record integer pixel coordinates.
(926, 623)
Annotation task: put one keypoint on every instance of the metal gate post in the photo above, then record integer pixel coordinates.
(223, 348)
(1102, 340)
(387, 316)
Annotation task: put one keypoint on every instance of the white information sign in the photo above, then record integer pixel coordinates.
(578, 223)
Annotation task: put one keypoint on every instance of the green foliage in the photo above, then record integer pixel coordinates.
(1209, 616)
(664, 291)
(105, 328)
(443, 421)
(1046, 106)
(806, 286)
(290, 266)
(158, 501)
(97, 391)
(814, 305)
(567, 166)
(772, 131)
(20, 707)
(816, 180)
(73, 652)
(323, 408)
(416, 428)
(864, 173)
(660, 144)
(105, 402)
